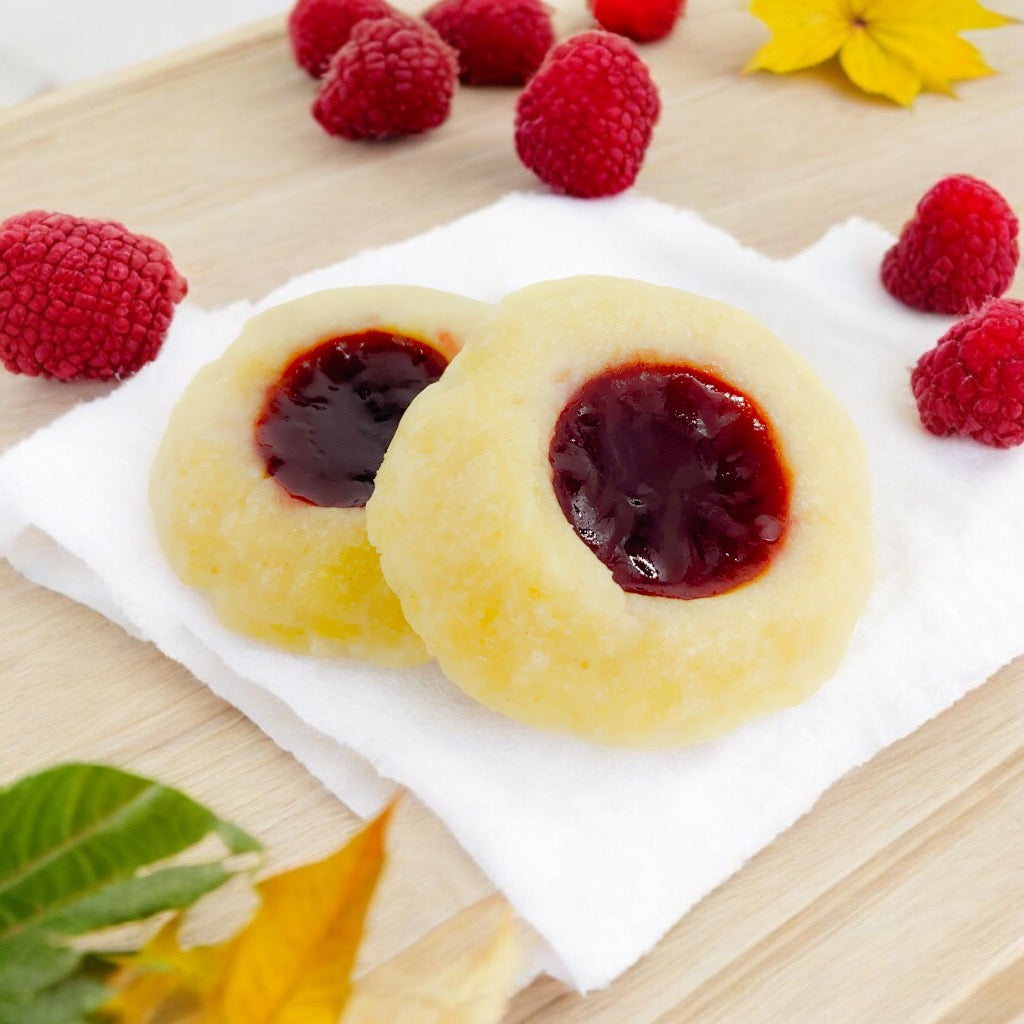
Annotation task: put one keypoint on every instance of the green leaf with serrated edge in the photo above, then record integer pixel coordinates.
(235, 839)
(30, 961)
(75, 1000)
(68, 1003)
(137, 898)
(73, 830)
(79, 845)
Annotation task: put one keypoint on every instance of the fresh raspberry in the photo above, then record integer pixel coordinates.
(82, 299)
(959, 249)
(972, 382)
(585, 119)
(318, 29)
(643, 21)
(394, 76)
(499, 42)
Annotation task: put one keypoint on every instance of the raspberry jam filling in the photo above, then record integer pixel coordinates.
(672, 477)
(328, 420)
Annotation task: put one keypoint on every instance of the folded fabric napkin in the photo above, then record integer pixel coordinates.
(600, 850)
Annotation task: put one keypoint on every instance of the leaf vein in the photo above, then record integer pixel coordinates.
(124, 811)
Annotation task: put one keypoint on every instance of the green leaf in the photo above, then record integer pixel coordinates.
(80, 852)
(72, 831)
(235, 839)
(137, 898)
(66, 1003)
(29, 961)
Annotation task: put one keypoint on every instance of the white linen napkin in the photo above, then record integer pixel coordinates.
(600, 850)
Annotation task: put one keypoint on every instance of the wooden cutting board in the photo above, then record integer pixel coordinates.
(900, 897)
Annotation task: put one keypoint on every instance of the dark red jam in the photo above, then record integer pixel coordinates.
(672, 478)
(329, 418)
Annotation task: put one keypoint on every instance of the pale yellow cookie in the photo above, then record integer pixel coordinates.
(277, 567)
(524, 616)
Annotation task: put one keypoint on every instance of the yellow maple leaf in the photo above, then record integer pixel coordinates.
(290, 964)
(893, 48)
(462, 972)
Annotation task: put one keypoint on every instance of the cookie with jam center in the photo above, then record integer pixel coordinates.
(627, 513)
(259, 486)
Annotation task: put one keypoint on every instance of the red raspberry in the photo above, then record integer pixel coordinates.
(82, 299)
(499, 42)
(643, 21)
(394, 76)
(972, 382)
(585, 119)
(319, 28)
(959, 249)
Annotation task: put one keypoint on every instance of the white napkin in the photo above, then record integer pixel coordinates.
(600, 850)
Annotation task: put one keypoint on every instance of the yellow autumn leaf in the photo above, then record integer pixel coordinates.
(462, 972)
(292, 962)
(163, 982)
(892, 48)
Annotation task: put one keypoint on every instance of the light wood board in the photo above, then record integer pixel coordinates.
(900, 897)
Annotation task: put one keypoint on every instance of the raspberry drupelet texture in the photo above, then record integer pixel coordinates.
(972, 382)
(643, 21)
(959, 249)
(584, 121)
(319, 28)
(82, 299)
(394, 76)
(499, 42)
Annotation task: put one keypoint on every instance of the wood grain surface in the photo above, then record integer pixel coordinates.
(900, 897)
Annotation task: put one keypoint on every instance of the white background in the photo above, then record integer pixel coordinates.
(48, 43)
